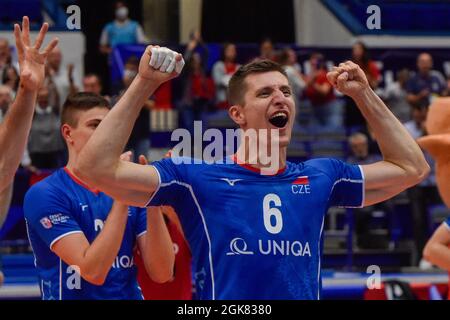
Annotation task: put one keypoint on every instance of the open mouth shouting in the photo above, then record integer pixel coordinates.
(279, 119)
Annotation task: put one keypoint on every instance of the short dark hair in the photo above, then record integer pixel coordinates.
(237, 86)
(90, 75)
(81, 101)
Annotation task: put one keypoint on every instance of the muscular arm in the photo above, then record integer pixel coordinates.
(16, 126)
(5, 201)
(95, 260)
(437, 249)
(156, 247)
(403, 164)
(99, 164)
(14, 134)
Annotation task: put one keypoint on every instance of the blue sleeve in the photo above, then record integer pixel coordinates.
(141, 226)
(348, 188)
(173, 181)
(48, 212)
(347, 182)
(447, 223)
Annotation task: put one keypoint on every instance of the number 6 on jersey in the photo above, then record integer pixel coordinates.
(272, 212)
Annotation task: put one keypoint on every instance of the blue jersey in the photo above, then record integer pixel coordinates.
(60, 205)
(254, 236)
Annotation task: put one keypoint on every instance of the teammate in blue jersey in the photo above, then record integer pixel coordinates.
(254, 227)
(83, 242)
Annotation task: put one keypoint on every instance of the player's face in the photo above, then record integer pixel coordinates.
(268, 104)
(88, 121)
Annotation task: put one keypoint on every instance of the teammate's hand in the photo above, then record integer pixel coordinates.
(160, 64)
(31, 61)
(348, 78)
(126, 156)
(143, 160)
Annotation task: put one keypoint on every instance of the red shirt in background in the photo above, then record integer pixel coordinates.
(314, 96)
(180, 288)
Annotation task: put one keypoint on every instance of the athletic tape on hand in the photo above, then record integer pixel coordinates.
(164, 60)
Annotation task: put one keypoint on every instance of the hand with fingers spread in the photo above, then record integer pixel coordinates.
(160, 64)
(31, 60)
(348, 78)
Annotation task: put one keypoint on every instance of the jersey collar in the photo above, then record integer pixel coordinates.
(81, 183)
(254, 169)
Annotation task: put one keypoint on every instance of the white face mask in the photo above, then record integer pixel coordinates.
(122, 13)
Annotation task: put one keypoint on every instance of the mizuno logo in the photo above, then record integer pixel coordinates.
(230, 181)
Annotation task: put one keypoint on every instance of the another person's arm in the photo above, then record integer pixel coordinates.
(16, 126)
(156, 247)
(95, 260)
(437, 249)
(5, 201)
(98, 163)
(403, 164)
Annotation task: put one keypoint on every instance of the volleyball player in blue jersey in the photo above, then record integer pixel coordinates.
(254, 228)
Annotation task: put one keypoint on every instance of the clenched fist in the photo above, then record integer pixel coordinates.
(160, 64)
(348, 78)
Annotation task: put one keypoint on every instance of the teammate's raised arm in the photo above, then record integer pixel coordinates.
(16, 126)
(99, 163)
(403, 164)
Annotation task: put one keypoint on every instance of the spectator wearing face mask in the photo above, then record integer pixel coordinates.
(121, 31)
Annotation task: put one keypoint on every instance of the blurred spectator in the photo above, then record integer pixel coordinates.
(360, 155)
(6, 61)
(93, 84)
(45, 143)
(5, 100)
(425, 194)
(266, 50)
(320, 94)
(10, 78)
(361, 56)
(65, 80)
(446, 92)
(359, 147)
(222, 72)
(198, 90)
(395, 96)
(139, 142)
(121, 31)
(426, 83)
(288, 59)
(5, 54)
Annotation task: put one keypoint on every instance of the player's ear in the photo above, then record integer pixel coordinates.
(66, 132)
(237, 115)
